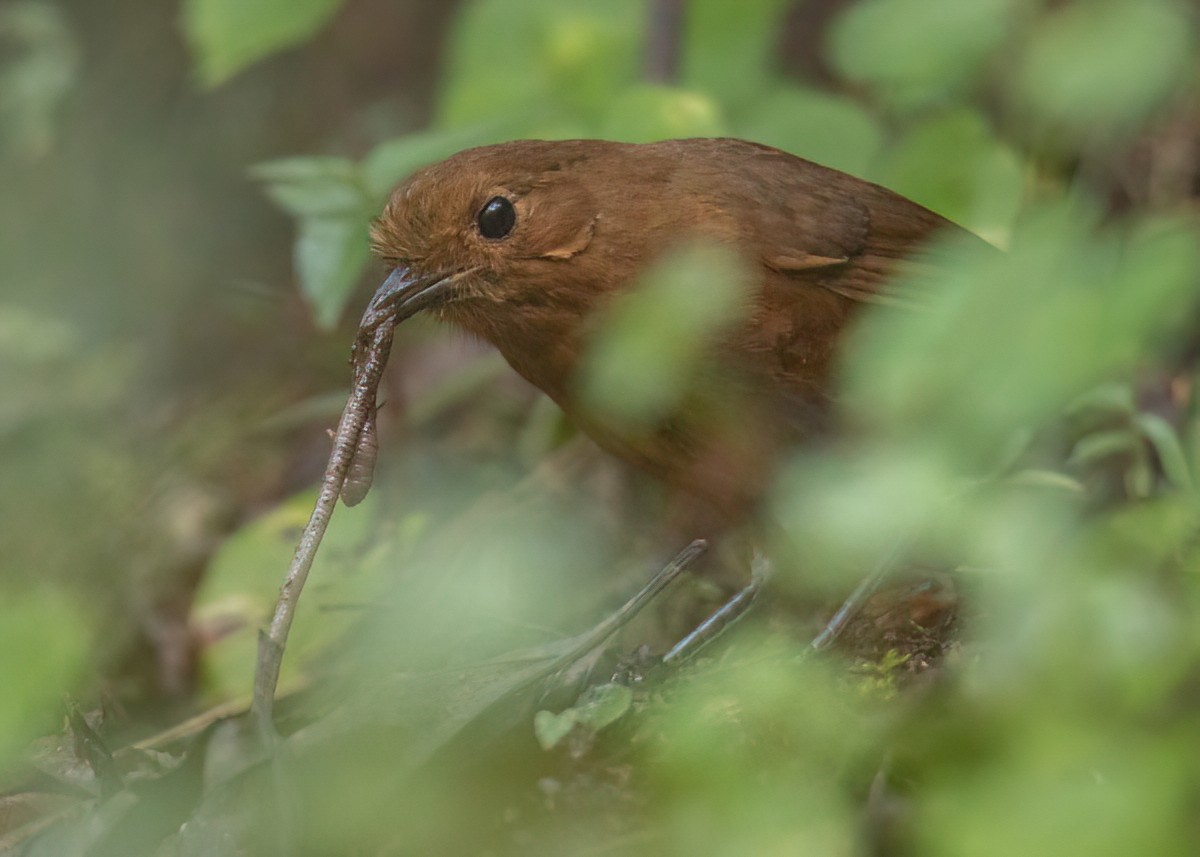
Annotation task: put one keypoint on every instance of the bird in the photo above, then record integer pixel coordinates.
(526, 243)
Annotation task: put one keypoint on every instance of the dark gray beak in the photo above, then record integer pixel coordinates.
(403, 295)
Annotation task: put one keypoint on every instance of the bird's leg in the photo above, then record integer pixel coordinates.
(855, 601)
(726, 614)
(737, 606)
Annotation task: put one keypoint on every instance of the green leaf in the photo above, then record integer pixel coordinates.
(1098, 67)
(228, 35)
(45, 643)
(1106, 300)
(333, 210)
(1191, 433)
(646, 113)
(241, 584)
(1048, 479)
(599, 706)
(1100, 445)
(603, 704)
(729, 48)
(1113, 399)
(1140, 478)
(558, 61)
(919, 51)
(1153, 298)
(38, 71)
(1165, 440)
(394, 160)
(330, 255)
(954, 164)
(644, 359)
(550, 728)
(313, 186)
(829, 129)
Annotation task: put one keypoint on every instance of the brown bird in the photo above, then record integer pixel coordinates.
(525, 243)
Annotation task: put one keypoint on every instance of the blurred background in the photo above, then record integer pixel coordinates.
(183, 259)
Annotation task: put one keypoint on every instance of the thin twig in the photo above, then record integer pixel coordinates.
(272, 642)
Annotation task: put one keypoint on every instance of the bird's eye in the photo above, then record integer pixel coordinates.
(497, 218)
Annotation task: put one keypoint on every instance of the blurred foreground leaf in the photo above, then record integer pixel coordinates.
(651, 345)
(1012, 338)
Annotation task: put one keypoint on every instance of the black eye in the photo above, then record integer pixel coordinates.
(497, 218)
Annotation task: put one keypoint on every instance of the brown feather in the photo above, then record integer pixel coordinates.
(592, 215)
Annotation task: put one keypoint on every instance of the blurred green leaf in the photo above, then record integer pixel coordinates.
(535, 59)
(1140, 477)
(241, 584)
(746, 755)
(1154, 292)
(728, 48)
(603, 704)
(1059, 787)
(841, 517)
(313, 186)
(330, 255)
(38, 70)
(651, 343)
(915, 52)
(1075, 306)
(1144, 537)
(30, 338)
(1077, 626)
(1100, 445)
(1113, 399)
(1191, 433)
(1169, 448)
(952, 163)
(550, 728)
(394, 160)
(599, 706)
(228, 35)
(642, 114)
(45, 641)
(829, 129)
(1039, 478)
(1097, 67)
(333, 209)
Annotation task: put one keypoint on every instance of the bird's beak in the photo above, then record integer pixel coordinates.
(403, 295)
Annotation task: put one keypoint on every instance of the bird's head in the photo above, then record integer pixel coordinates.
(488, 233)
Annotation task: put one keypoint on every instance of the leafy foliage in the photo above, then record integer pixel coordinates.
(228, 35)
(45, 639)
(37, 78)
(1005, 431)
(1032, 432)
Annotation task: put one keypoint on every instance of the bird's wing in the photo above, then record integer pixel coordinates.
(834, 231)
